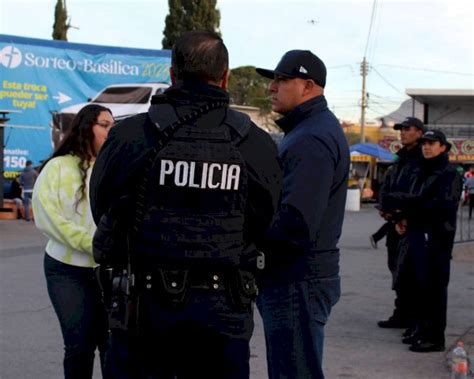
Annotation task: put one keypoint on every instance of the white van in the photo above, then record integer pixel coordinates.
(123, 100)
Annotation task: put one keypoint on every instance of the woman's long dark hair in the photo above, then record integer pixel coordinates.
(79, 141)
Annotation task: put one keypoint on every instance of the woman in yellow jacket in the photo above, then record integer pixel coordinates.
(62, 212)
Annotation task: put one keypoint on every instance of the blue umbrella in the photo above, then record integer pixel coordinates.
(373, 150)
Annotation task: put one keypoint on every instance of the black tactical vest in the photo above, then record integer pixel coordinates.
(195, 197)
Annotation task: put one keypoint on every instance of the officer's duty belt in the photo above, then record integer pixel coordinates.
(172, 286)
(175, 281)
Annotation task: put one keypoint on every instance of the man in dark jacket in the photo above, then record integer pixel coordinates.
(301, 282)
(399, 178)
(182, 196)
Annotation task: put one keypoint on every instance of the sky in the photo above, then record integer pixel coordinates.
(408, 44)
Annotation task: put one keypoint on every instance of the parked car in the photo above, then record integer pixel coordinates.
(124, 100)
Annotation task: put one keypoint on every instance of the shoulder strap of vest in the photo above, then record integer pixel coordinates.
(238, 121)
(162, 115)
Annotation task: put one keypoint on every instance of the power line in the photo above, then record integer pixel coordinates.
(364, 69)
(376, 33)
(378, 111)
(428, 70)
(384, 103)
(372, 17)
(396, 115)
(388, 102)
(387, 97)
(379, 105)
(386, 81)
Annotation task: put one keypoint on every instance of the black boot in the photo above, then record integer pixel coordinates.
(411, 336)
(393, 323)
(425, 346)
(408, 332)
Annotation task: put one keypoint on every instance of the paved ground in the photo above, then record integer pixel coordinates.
(31, 344)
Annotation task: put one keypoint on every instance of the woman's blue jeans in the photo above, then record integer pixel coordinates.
(76, 298)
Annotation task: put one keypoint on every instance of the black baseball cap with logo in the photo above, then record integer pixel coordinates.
(411, 121)
(436, 135)
(298, 64)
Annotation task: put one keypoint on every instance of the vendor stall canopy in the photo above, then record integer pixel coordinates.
(373, 150)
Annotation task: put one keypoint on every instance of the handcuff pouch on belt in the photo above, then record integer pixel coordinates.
(243, 289)
(172, 287)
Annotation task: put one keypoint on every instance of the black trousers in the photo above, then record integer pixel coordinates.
(206, 338)
(436, 293)
(393, 249)
(402, 254)
(427, 263)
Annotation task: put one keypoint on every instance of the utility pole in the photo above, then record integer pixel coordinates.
(364, 68)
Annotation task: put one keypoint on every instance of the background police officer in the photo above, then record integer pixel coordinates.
(192, 210)
(400, 179)
(428, 226)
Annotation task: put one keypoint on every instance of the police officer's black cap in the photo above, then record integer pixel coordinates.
(411, 121)
(298, 64)
(436, 135)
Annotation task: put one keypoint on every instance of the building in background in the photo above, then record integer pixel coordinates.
(449, 110)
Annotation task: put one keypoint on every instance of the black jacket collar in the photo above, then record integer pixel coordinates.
(438, 163)
(184, 98)
(413, 154)
(299, 113)
(192, 93)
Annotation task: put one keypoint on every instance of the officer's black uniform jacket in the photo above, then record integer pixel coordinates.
(399, 177)
(302, 241)
(431, 204)
(119, 166)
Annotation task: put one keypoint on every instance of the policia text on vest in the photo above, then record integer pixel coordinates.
(201, 175)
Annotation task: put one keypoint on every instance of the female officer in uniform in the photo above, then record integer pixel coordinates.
(431, 208)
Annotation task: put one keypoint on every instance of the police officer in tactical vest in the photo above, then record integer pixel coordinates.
(182, 196)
